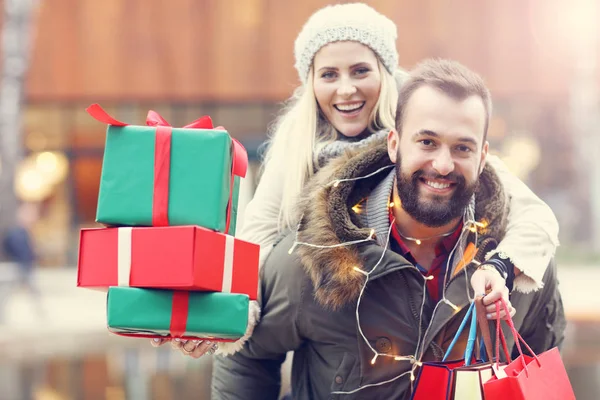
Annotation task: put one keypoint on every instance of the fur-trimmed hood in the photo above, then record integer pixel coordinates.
(327, 219)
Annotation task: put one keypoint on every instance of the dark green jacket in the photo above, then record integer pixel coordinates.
(309, 297)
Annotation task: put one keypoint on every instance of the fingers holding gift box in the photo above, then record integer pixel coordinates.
(201, 347)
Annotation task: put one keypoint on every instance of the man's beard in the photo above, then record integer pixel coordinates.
(435, 211)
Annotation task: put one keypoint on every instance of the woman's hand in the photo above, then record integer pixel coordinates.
(488, 282)
(192, 348)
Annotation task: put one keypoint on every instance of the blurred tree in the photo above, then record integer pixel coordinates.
(16, 35)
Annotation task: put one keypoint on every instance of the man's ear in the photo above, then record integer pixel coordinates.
(393, 141)
(484, 153)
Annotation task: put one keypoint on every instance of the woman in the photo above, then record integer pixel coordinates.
(347, 61)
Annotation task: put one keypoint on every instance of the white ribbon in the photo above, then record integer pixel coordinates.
(123, 256)
(228, 264)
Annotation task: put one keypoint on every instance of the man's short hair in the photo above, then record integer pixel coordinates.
(449, 77)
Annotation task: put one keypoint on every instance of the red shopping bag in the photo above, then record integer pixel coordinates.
(536, 377)
(461, 379)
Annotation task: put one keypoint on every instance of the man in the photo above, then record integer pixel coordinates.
(376, 279)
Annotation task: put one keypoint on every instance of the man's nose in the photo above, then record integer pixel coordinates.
(443, 163)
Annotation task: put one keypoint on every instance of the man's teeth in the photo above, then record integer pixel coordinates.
(438, 185)
(349, 107)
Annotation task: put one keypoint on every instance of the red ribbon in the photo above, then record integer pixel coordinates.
(162, 171)
(179, 313)
(162, 160)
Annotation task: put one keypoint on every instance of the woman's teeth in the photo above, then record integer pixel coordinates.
(349, 107)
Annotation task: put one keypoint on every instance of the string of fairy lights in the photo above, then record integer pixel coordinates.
(469, 225)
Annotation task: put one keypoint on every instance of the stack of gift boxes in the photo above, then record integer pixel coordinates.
(168, 256)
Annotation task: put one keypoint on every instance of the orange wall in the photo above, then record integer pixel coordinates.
(237, 50)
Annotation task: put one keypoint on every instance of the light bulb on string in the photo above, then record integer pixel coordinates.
(418, 242)
(291, 250)
(357, 269)
(374, 359)
(452, 305)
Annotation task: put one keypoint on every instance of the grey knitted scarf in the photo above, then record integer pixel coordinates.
(336, 148)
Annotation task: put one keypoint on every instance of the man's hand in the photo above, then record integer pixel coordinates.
(488, 281)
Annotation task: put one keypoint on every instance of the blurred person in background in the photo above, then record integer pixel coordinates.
(19, 248)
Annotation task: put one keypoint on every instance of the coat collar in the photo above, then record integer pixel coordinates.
(328, 220)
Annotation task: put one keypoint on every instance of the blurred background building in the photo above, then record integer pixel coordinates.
(233, 60)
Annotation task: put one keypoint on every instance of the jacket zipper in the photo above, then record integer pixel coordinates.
(412, 305)
(411, 302)
(431, 343)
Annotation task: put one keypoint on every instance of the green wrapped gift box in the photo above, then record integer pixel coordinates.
(158, 175)
(162, 313)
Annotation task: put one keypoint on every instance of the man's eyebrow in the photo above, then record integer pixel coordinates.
(427, 132)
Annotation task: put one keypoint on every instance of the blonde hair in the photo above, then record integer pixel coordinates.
(300, 131)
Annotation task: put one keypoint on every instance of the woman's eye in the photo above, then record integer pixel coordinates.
(362, 71)
(328, 75)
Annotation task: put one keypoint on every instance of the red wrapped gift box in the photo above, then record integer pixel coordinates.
(177, 258)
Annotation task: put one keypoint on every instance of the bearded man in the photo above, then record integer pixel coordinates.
(376, 279)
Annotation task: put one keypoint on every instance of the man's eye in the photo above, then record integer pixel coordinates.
(464, 149)
(427, 142)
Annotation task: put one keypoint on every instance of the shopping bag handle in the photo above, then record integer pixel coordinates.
(516, 335)
(470, 340)
(486, 335)
(484, 325)
(478, 317)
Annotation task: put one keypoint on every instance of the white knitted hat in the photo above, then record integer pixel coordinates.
(355, 22)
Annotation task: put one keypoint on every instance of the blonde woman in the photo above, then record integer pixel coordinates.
(347, 61)
(309, 132)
